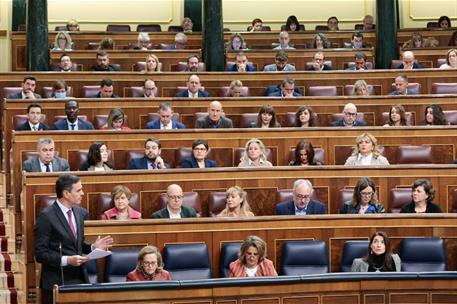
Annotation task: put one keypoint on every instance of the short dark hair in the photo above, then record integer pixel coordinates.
(198, 142)
(106, 82)
(155, 140)
(281, 56)
(65, 182)
(94, 156)
(357, 34)
(102, 53)
(29, 77)
(34, 105)
(428, 188)
(360, 55)
(256, 20)
(192, 56)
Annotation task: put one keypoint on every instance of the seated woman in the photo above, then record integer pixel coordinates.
(62, 42)
(417, 42)
(397, 117)
(379, 258)
(254, 155)
(252, 261)
(59, 89)
(364, 199)
(236, 43)
(292, 24)
(360, 88)
(143, 42)
(304, 154)
(106, 44)
(72, 25)
(115, 121)
(198, 159)
(149, 266)
(305, 117)
(444, 22)
(121, 195)
(366, 152)
(97, 158)
(237, 204)
(235, 88)
(451, 60)
(152, 64)
(320, 41)
(266, 118)
(187, 25)
(422, 198)
(434, 116)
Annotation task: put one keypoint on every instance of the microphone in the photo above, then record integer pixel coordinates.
(61, 266)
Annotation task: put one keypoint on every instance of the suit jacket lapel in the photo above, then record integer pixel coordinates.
(36, 165)
(291, 207)
(64, 222)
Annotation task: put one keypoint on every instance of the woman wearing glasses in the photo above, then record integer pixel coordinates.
(198, 159)
(149, 266)
(366, 152)
(364, 199)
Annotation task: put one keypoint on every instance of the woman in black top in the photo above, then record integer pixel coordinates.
(304, 154)
(422, 198)
(364, 199)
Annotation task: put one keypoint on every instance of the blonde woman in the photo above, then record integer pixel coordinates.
(152, 64)
(366, 152)
(237, 204)
(254, 155)
(62, 42)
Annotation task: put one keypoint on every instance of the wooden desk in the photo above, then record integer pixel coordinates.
(430, 56)
(325, 289)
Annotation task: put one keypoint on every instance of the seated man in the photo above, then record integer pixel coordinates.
(106, 89)
(214, 119)
(284, 42)
(165, 121)
(193, 88)
(151, 159)
(149, 88)
(301, 204)
(256, 25)
(72, 122)
(192, 63)
(241, 64)
(103, 64)
(46, 161)
(349, 118)
(356, 42)
(180, 42)
(360, 63)
(65, 64)
(280, 64)
(28, 89)
(318, 63)
(33, 119)
(174, 208)
(409, 61)
(368, 23)
(401, 86)
(287, 89)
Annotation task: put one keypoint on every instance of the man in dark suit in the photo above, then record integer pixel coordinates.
(193, 88)
(165, 121)
(401, 86)
(106, 89)
(72, 122)
(28, 89)
(349, 118)
(192, 63)
(33, 119)
(287, 89)
(241, 64)
(214, 119)
(174, 208)
(103, 64)
(59, 239)
(46, 161)
(360, 63)
(409, 61)
(318, 63)
(151, 159)
(301, 203)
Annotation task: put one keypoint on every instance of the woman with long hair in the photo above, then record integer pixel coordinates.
(236, 204)
(266, 118)
(364, 199)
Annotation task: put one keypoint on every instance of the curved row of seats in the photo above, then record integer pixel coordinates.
(192, 262)
(217, 200)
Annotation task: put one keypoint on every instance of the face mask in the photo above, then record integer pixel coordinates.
(60, 94)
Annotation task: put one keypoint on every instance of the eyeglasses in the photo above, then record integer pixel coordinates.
(366, 193)
(149, 264)
(302, 197)
(350, 114)
(175, 197)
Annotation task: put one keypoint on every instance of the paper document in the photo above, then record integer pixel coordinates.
(98, 253)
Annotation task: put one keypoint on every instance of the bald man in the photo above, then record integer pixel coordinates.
(214, 119)
(409, 61)
(349, 118)
(193, 88)
(174, 208)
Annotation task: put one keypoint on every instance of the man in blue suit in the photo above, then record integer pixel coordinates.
(151, 159)
(72, 122)
(301, 203)
(349, 118)
(33, 119)
(241, 64)
(193, 88)
(165, 120)
(401, 86)
(287, 89)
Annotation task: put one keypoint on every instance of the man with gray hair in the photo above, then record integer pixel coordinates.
(46, 161)
(301, 203)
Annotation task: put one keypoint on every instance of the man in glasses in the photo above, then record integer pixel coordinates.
(349, 118)
(301, 203)
(174, 208)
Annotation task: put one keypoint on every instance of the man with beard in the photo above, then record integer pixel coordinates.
(151, 159)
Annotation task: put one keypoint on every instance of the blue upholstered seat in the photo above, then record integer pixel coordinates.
(187, 261)
(119, 264)
(353, 249)
(422, 254)
(229, 253)
(304, 257)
